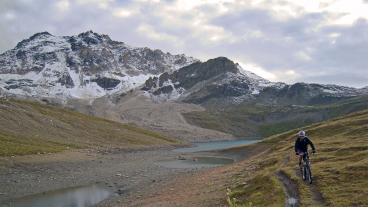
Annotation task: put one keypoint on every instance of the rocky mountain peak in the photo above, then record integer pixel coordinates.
(37, 36)
(91, 37)
(44, 34)
(87, 65)
(220, 65)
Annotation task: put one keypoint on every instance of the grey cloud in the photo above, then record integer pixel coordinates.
(259, 37)
(344, 57)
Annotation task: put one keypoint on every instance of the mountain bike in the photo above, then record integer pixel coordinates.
(305, 168)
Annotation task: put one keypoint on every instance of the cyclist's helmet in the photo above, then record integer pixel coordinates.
(301, 134)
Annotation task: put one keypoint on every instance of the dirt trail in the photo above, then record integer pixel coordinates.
(290, 188)
(317, 196)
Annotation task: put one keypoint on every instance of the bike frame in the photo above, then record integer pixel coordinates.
(305, 169)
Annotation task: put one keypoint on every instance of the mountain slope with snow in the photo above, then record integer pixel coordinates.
(85, 66)
(215, 78)
(222, 80)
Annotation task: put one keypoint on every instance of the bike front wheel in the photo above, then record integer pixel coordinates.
(308, 174)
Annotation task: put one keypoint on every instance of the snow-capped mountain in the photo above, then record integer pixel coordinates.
(222, 80)
(88, 65)
(216, 78)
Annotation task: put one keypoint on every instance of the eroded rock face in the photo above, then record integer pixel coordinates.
(107, 83)
(163, 90)
(18, 83)
(66, 80)
(150, 83)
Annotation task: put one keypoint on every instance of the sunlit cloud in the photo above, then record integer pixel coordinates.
(122, 12)
(9, 16)
(150, 32)
(102, 4)
(63, 5)
(303, 56)
(252, 67)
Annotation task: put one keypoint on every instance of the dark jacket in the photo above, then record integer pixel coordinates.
(301, 144)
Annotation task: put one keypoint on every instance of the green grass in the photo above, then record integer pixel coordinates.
(256, 120)
(340, 167)
(279, 127)
(10, 145)
(30, 127)
(261, 190)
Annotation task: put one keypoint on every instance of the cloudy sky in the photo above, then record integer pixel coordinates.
(281, 40)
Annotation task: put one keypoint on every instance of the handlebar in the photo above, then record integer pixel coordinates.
(309, 152)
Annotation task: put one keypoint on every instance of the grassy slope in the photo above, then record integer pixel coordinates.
(249, 120)
(29, 127)
(340, 167)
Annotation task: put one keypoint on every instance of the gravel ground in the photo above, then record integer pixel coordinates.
(123, 172)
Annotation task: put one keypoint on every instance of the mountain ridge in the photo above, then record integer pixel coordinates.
(223, 80)
(91, 65)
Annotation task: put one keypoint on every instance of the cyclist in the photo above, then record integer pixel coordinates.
(301, 146)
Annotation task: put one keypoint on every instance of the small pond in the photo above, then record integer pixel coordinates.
(197, 162)
(193, 159)
(216, 145)
(70, 197)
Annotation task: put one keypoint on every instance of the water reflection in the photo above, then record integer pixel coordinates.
(217, 145)
(72, 197)
(197, 162)
(193, 161)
